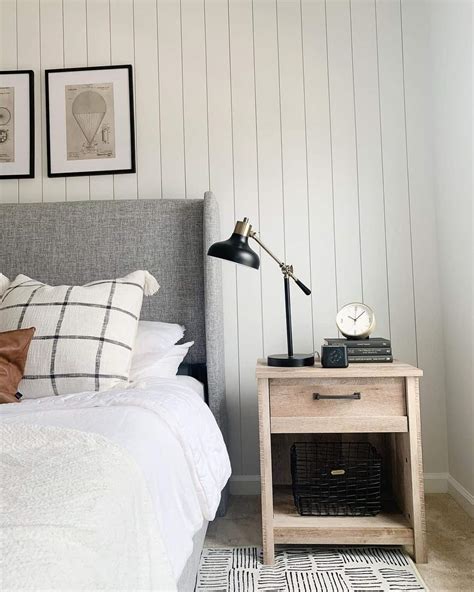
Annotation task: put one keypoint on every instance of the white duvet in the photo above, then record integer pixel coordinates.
(75, 515)
(171, 435)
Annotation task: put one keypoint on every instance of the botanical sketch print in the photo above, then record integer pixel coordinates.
(7, 124)
(90, 121)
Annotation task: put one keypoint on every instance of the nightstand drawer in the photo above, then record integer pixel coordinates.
(327, 397)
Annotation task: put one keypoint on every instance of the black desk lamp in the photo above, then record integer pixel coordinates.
(237, 249)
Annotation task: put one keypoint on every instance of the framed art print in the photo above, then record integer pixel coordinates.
(17, 124)
(89, 121)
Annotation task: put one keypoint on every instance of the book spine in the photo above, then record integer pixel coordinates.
(365, 343)
(370, 359)
(369, 351)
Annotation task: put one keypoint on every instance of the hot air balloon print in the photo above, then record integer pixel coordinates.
(89, 109)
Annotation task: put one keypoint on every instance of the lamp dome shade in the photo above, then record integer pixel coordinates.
(237, 250)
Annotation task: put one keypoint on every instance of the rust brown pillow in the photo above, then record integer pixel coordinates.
(14, 347)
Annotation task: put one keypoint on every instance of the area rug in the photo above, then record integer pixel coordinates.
(307, 569)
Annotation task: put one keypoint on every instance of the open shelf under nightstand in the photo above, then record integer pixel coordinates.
(390, 527)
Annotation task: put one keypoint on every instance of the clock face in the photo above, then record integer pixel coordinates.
(355, 320)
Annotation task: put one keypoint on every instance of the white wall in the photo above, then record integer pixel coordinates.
(308, 117)
(452, 90)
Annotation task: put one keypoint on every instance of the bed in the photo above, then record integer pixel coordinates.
(75, 243)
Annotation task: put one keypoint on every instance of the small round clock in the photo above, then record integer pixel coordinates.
(355, 320)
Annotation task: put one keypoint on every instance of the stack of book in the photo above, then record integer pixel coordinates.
(373, 349)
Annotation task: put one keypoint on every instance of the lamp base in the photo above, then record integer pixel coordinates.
(296, 360)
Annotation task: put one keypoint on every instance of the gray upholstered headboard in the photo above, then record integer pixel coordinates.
(78, 242)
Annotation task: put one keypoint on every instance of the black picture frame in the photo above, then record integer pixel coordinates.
(49, 75)
(30, 173)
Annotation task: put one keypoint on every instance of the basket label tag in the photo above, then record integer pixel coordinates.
(338, 472)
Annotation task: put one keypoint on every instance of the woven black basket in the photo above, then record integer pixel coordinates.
(336, 478)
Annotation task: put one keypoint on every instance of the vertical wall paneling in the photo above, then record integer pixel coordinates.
(294, 170)
(195, 97)
(122, 19)
(369, 160)
(52, 56)
(30, 190)
(318, 132)
(147, 100)
(308, 116)
(450, 100)
(398, 223)
(8, 61)
(247, 204)
(171, 99)
(343, 126)
(416, 33)
(222, 184)
(270, 182)
(98, 52)
(75, 55)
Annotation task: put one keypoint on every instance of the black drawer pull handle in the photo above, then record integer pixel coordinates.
(352, 396)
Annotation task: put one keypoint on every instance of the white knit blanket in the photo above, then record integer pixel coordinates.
(75, 514)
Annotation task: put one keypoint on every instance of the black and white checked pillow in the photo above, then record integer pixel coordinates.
(84, 334)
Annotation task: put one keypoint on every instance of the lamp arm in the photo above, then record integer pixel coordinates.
(256, 238)
(287, 270)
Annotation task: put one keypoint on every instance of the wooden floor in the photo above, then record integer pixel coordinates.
(450, 539)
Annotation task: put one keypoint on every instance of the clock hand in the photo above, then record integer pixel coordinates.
(363, 312)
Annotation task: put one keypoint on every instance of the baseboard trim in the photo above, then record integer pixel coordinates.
(250, 484)
(245, 485)
(464, 498)
(434, 483)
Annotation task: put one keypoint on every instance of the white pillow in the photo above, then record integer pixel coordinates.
(147, 366)
(84, 334)
(156, 338)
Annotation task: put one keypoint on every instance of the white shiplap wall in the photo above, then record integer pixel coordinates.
(310, 117)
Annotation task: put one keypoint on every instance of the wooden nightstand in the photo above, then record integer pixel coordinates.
(387, 414)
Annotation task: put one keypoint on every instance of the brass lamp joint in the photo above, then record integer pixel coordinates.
(243, 227)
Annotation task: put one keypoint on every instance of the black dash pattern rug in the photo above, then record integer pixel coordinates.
(307, 569)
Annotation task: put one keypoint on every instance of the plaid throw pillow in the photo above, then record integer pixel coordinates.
(84, 334)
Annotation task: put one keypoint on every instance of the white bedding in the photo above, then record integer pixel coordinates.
(75, 515)
(170, 433)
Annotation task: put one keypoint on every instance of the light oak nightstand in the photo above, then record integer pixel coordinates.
(387, 414)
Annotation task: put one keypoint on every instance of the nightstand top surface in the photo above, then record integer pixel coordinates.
(388, 370)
